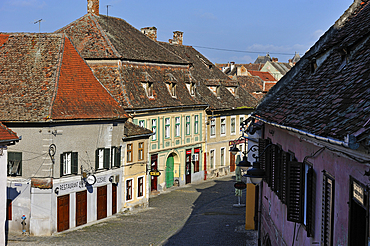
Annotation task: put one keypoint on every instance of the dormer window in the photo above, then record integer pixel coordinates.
(148, 86)
(233, 90)
(171, 88)
(191, 88)
(215, 90)
(170, 81)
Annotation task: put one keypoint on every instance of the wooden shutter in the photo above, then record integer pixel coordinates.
(61, 164)
(311, 198)
(295, 192)
(284, 177)
(106, 158)
(261, 146)
(74, 161)
(273, 167)
(268, 162)
(327, 211)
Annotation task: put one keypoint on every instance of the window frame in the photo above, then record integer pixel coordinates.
(102, 158)
(14, 156)
(129, 152)
(72, 166)
(222, 157)
(223, 126)
(140, 187)
(187, 125)
(213, 128)
(142, 123)
(233, 125)
(129, 190)
(154, 130)
(212, 154)
(196, 124)
(115, 156)
(140, 151)
(167, 128)
(177, 126)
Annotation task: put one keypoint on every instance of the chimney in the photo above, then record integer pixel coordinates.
(151, 32)
(177, 38)
(274, 59)
(93, 7)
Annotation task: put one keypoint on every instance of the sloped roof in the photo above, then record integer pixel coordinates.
(282, 67)
(42, 78)
(99, 37)
(332, 101)
(132, 131)
(205, 73)
(265, 76)
(263, 59)
(7, 135)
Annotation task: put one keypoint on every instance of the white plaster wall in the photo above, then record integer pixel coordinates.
(41, 207)
(3, 173)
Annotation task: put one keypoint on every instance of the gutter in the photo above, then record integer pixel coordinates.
(348, 144)
(165, 108)
(138, 136)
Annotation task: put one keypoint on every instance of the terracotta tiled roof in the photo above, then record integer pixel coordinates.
(132, 131)
(6, 134)
(42, 77)
(265, 76)
(97, 37)
(334, 99)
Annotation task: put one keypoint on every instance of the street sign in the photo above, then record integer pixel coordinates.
(240, 185)
(155, 173)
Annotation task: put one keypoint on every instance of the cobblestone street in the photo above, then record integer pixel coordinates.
(196, 214)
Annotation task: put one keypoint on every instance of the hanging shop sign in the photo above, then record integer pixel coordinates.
(155, 173)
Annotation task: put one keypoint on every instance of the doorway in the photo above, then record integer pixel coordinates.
(81, 208)
(154, 167)
(188, 167)
(63, 213)
(169, 171)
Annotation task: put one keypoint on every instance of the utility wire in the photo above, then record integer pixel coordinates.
(241, 51)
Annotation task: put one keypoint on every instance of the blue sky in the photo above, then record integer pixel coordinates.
(247, 28)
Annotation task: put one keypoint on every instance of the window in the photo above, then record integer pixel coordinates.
(196, 124)
(129, 153)
(129, 189)
(232, 126)
(173, 89)
(177, 127)
(187, 125)
(212, 158)
(140, 187)
(327, 222)
(222, 156)
(148, 86)
(223, 126)
(116, 156)
(167, 128)
(154, 130)
(142, 123)
(192, 89)
(141, 151)
(213, 127)
(102, 158)
(14, 163)
(68, 163)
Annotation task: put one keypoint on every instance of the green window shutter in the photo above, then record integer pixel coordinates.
(74, 162)
(118, 156)
(61, 165)
(96, 159)
(284, 177)
(295, 194)
(106, 158)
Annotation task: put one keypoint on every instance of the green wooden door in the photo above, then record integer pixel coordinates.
(169, 171)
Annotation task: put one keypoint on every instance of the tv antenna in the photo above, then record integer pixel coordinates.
(107, 14)
(38, 21)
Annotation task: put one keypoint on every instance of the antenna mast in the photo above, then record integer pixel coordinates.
(38, 21)
(107, 14)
